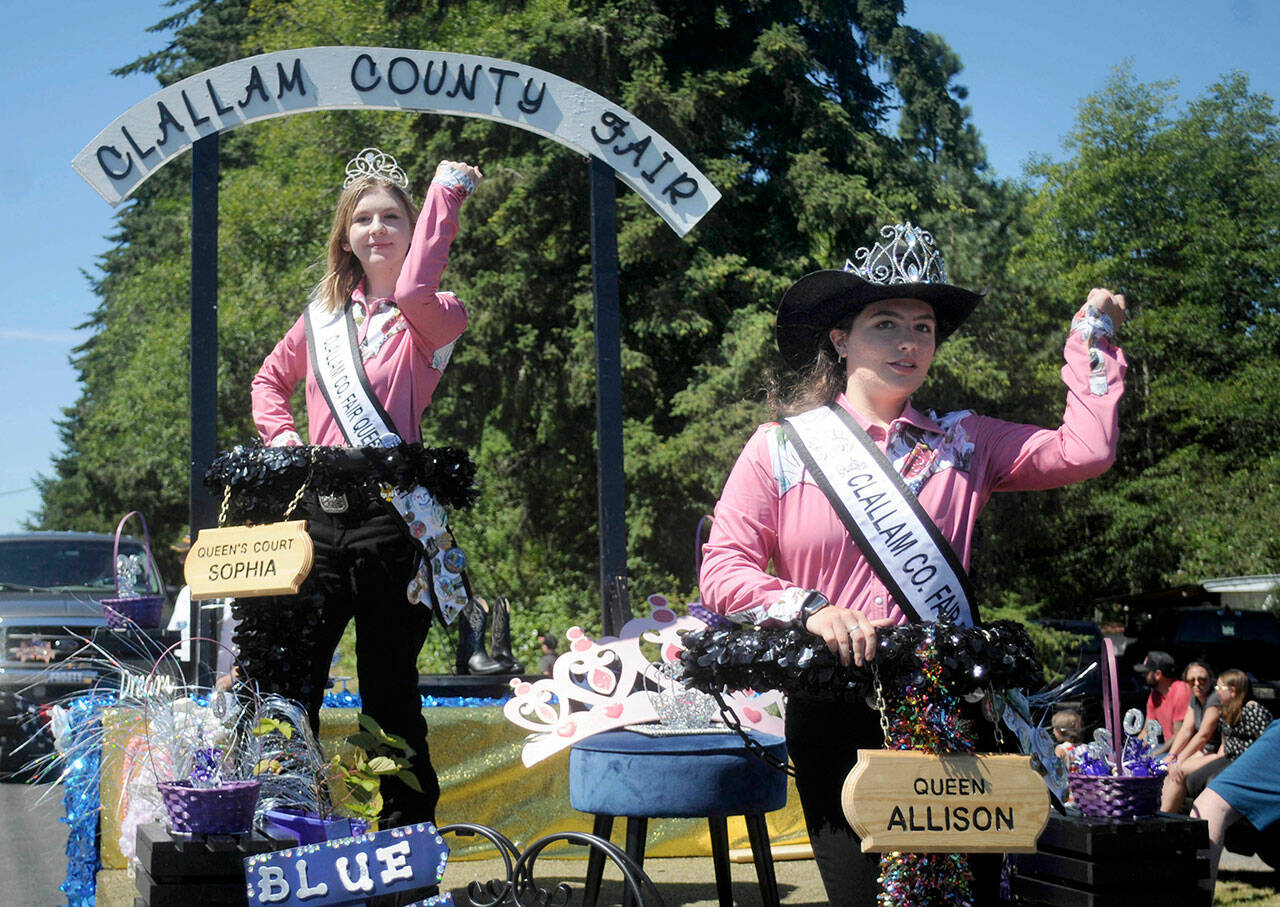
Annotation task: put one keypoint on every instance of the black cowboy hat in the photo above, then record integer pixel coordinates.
(907, 266)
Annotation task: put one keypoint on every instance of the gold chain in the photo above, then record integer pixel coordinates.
(995, 718)
(880, 706)
(303, 487)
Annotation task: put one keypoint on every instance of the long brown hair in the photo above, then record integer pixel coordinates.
(818, 385)
(1238, 681)
(343, 271)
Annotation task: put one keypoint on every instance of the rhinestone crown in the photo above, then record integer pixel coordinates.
(906, 254)
(377, 164)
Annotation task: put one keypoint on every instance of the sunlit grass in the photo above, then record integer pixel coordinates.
(1256, 889)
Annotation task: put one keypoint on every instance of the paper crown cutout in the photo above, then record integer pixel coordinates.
(606, 684)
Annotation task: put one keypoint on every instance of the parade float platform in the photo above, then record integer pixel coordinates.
(477, 754)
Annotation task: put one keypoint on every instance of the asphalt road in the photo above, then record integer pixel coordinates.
(33, 862)
(33, 858)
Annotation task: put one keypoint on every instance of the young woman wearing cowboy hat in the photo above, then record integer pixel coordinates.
(862, 340)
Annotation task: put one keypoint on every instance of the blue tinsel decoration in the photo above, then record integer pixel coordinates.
(83, 747)
(345, 699)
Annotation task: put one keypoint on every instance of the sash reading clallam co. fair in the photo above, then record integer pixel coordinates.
(904, 546)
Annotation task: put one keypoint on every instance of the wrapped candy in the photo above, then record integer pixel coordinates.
(1137, 758)
(129, 569)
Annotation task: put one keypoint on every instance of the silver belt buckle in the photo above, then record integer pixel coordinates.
(333, 503)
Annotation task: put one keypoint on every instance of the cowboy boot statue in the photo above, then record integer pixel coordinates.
(501, 648)
(472, 657)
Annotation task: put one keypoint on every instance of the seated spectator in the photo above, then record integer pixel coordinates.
(1196, 742)
(1249, 788)
(1204, 708)
(548, 643)
(1169, 696)
(1241, 720)
(1068, 730)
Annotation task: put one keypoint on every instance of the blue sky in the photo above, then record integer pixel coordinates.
(1027, 65)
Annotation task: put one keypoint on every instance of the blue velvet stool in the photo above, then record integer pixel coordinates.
(625, 773)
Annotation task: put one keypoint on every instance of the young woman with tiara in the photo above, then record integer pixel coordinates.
(856, 512)
(371, 346)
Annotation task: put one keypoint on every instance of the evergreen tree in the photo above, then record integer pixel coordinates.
(126, 440)
(783, 105)
(1180, 209)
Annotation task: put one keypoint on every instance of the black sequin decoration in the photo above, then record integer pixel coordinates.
(278, 639)
(997, 655)
(263, 480)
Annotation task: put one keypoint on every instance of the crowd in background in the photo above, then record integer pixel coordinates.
(1220, 744)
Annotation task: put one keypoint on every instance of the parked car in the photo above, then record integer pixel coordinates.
(51, 586)
(1223, 637)
(1085, 696)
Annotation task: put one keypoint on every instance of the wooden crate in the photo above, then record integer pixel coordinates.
(1082, 861)
(197, 870)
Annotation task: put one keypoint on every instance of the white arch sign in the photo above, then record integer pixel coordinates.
(149, 134)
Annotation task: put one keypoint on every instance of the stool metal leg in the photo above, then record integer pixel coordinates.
(720, 859)
(601, 828)
(637, 831)
(758, 833)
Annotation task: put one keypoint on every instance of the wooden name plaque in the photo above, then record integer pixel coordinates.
(247, 561)
(954, 803)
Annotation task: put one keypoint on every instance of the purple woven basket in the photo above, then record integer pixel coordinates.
(137, 610)
(144, 611)
(1116, 797)
(225, 810)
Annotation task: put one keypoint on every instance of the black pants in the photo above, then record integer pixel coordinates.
(823, 739)
(364, 560)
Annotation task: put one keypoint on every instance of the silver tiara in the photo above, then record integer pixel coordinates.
(377, 164)
(907, 255)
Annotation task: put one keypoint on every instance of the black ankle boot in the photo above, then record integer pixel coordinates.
(472, 657)
(501, 647)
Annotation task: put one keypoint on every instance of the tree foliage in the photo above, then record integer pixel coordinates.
(818, 123)
(1180, 208)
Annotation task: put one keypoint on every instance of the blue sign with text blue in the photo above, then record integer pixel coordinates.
(349, 870)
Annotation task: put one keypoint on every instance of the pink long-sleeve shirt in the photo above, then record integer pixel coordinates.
(406, 365)
(771, 510)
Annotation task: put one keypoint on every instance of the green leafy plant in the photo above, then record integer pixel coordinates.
(355, 779)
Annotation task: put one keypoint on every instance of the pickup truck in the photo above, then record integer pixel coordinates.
(1222, 637)
(51, 586)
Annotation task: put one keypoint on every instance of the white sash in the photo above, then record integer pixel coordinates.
(335, 359)
(901, 542)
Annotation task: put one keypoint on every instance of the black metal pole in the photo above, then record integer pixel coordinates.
(615, 607)
(204, 366)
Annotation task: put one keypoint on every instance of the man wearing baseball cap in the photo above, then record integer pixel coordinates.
(1169, 696)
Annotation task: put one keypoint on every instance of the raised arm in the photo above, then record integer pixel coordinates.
(1025, 457)
(435, 319)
